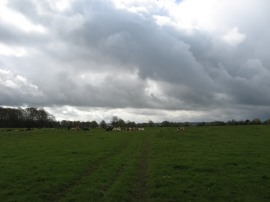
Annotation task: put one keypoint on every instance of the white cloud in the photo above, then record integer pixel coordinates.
(16, 51)
(61, 5)
(233, 37)
(18, 20)
(17, 87)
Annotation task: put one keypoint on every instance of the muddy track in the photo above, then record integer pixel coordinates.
(88, 172)
(141, 179)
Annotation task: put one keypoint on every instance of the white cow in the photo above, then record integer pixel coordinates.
(116, 129)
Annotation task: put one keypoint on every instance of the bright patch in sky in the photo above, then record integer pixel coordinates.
(61, 5)
(233, 37)
(12, 51)
(10, 17)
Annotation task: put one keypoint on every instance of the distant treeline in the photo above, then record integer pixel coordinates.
(25, 118)
(256, 121)
(115, 122)
(39, 118)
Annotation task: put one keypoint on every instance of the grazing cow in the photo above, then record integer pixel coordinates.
(180, 129)
(129, 129)
(116, 129)
(141, 129)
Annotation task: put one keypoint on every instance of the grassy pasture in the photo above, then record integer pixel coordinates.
(225, 163)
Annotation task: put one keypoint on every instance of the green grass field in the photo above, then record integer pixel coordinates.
(225, 163)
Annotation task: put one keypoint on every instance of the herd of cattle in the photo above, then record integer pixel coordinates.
(112, 128)
(124, 129)
(108, 128)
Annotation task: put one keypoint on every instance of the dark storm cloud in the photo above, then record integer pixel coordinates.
(93, 54)
(128, 39)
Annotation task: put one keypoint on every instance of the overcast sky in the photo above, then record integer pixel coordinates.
(140, 60)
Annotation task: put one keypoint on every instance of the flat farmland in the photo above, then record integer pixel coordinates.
(224, 163)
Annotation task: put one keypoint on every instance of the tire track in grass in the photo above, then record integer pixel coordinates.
(141, 178)
(62, 193)
(118, 173)
(125, 170)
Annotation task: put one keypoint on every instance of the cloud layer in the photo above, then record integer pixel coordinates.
(166, 60)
